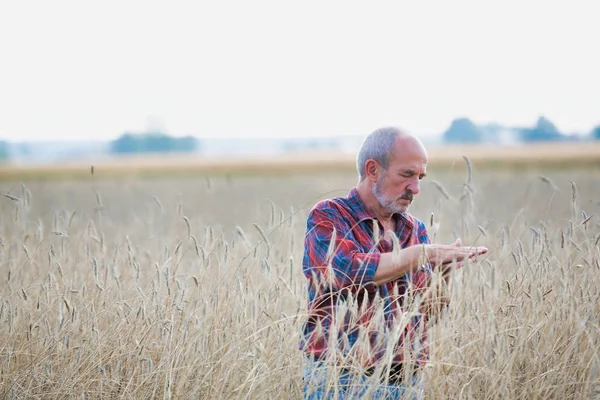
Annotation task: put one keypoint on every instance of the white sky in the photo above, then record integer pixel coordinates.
(83, 70)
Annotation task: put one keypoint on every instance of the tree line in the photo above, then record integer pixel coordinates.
(463, 130)
(132, 143)
(4, 154)
(152, 142)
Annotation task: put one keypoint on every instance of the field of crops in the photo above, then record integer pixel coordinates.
(191, 286)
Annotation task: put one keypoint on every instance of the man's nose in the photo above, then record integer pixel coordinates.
(414, 187)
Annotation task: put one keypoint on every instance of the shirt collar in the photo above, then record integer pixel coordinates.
(358, 206)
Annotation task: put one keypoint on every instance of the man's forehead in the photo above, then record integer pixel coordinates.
(415, 156)
(407, 146)
(415, 166)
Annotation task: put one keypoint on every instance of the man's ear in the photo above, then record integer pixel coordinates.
(371, 170)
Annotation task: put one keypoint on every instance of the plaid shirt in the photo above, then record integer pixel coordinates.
(341, 254)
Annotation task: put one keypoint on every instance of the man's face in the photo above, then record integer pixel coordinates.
(396, 187)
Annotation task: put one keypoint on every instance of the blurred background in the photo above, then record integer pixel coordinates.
(88, 82)
(192, 286)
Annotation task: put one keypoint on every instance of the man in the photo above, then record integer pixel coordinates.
(369, 267)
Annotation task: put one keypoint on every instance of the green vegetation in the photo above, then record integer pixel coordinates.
(543, 131)
(596, 133)
(463, 130)
(152, 142)
(4, 156)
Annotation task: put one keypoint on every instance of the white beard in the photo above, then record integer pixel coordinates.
(389, 205)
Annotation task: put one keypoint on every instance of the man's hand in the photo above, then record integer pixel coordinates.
(445, 255)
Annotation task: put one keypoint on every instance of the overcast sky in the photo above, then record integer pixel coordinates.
(77, 69)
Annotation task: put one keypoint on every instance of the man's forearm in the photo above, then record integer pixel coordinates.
(394, 265)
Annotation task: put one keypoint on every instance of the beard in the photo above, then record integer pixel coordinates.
(390, 204)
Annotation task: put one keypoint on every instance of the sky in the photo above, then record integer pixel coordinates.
(82, 70)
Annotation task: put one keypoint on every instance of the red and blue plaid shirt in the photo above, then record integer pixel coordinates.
(347, 313)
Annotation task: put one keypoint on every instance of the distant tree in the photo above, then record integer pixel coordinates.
(596, 133)
(543, 131)
(463, 130)
(127, 143)
(3, 151)
(152, 142)
(156, 142)
(186, 143)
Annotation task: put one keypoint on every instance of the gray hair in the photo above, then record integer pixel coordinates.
(377, 146)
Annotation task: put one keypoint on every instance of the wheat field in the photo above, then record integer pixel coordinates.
(191, 287)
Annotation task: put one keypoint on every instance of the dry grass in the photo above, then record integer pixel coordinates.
(192, 287)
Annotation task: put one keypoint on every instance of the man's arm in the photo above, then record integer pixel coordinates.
(393, 265)
(332, 253)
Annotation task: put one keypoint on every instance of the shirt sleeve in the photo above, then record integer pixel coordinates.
(332, 255)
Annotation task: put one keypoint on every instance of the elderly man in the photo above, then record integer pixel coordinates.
(369, 266)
